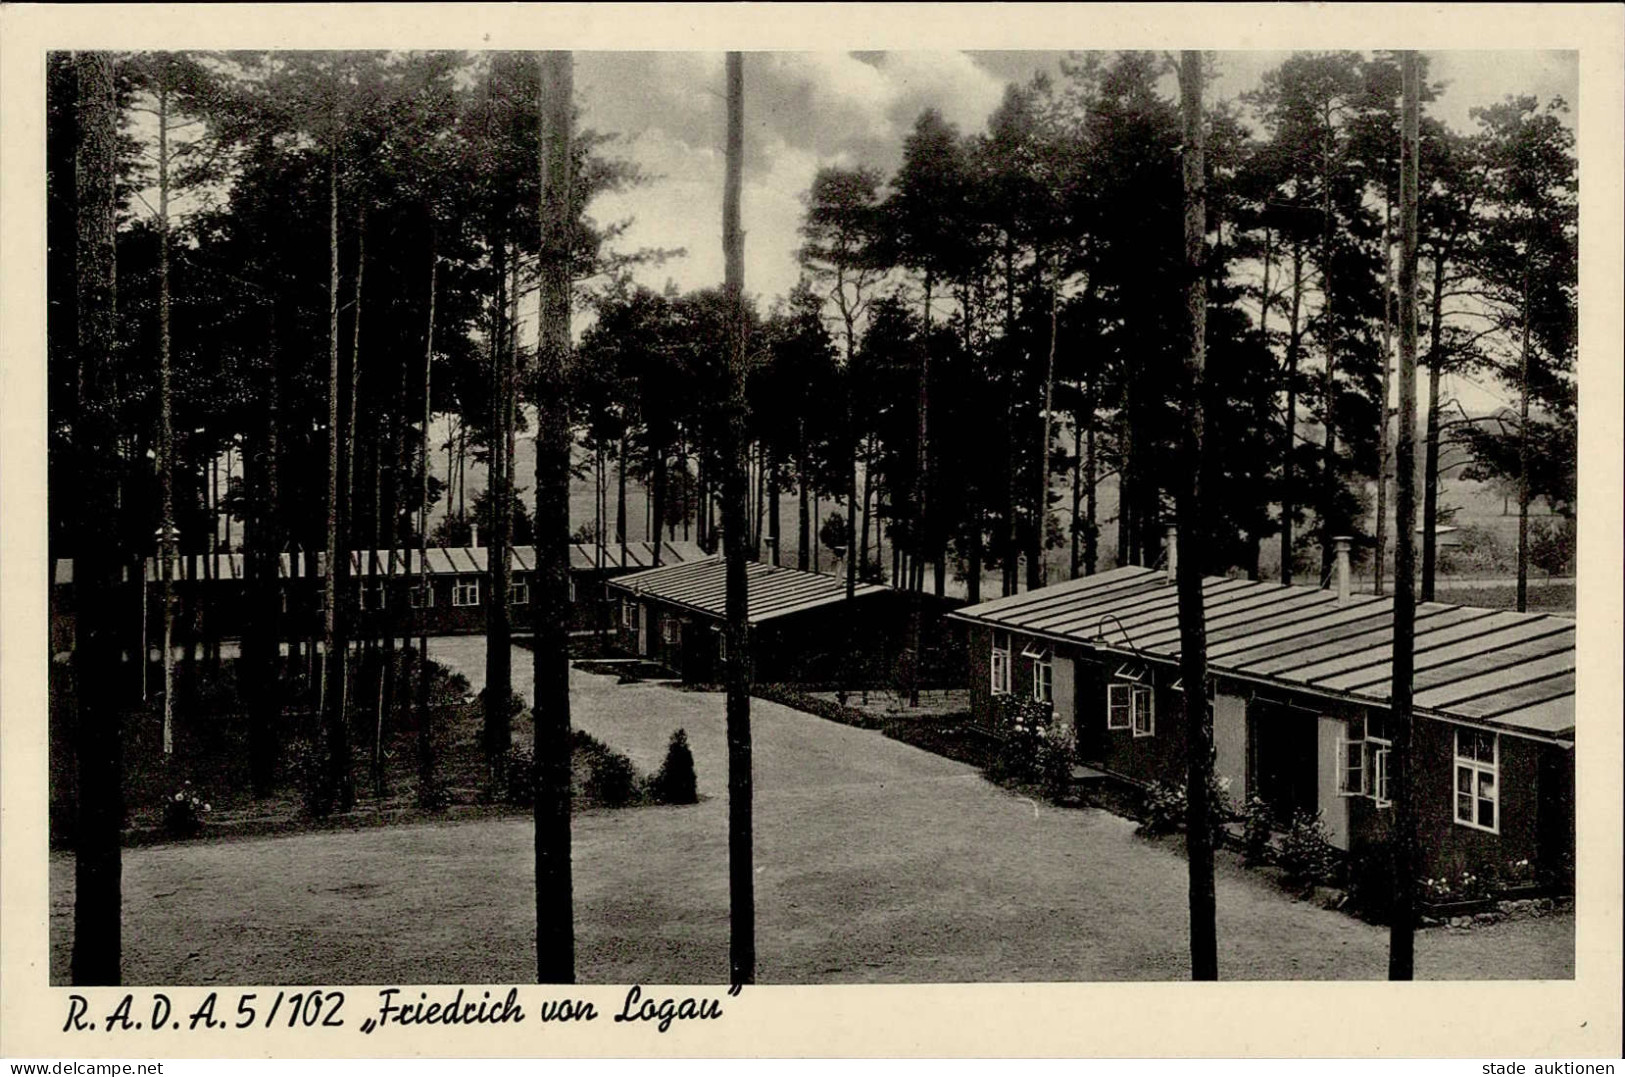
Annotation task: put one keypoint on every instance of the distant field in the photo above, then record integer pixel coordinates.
(1543, 598)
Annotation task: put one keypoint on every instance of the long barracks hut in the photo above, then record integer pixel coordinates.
(803, 627)
(212, 591)
(1300, 679)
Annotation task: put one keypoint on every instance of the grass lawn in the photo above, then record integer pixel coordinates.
(875, 862)
(1559, 598)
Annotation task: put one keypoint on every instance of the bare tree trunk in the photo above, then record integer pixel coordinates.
(1289, 424)
(230, 474)
(1382, 408)
(773, 537)
(920, 541)
(261, 657)
(659, 493)
(1329, 526)
(1430, 455)
(1012, 527)
(1523, 450)
(498, 629)
(428, 785)
(382, 641)
(702, 509)
(817, 560)
(1073, 529)
(166, 430)
(852, 509)
(350, 428)
(355, 372)
(860, 552)
(97, 931)
(1401, 772)
(803, 524)
(600, 490)
(620, 495)
(462, 467)
(1091, 495)
(335, 726)
(555, 914)
(759, 530)
(1125, 483)
(741, 874)
(1036, 569)
(1191, 543)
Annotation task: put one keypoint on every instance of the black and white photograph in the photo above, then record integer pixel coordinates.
(814, 517)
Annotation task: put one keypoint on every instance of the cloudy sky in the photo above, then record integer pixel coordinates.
(807, 109)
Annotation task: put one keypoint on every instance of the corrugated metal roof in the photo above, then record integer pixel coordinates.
(1492, 666)
(588, 557)
(774, 591)
(443, 560)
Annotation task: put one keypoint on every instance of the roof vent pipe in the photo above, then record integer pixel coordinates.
(1172, 544)
(1340, 550)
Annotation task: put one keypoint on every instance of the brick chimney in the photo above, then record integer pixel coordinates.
(1172, 544)
(1341, 544)
(474, 535)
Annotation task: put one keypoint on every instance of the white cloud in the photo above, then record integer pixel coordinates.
(804, 110)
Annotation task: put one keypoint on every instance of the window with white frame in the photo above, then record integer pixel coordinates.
(416, 595)
(1478, 767)
(467, 591)
(1145, 724)
(1043, 659)
(1129, 706)
(1363, 756)
(626, 613)
(1119, 706)
(722, 644)
(999, 665)
(519, 592)
(670, 629)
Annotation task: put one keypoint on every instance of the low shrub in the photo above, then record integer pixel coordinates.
(1519, 873)
(611, 779)
(835, 710)
(1031, 748)
(433, 795)
(1257, 829)
(675, 782)
(184, 812)
(1307, 855)
(1165, 807)
(309, 776)
(518, 779)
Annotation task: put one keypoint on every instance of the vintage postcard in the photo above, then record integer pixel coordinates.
(833, 530)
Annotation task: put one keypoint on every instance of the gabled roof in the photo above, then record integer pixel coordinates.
(774, 591)
(1495, 667)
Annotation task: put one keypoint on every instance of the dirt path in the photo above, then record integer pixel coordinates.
(875, 862)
